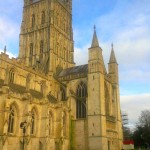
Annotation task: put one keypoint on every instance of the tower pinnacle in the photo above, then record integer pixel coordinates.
(5, 49)
(112, 55)
(95, 40)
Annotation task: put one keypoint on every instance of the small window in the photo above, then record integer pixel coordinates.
(32, 130)
(31, 49)
(33, 20)
(11, 120)
(43, 17)
(50, 126)
(11, 76)
(63, 94)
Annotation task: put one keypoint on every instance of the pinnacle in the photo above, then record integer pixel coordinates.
(112, 56)
(5, 49)
(95, 40)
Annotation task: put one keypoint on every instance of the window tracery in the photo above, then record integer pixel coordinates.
(11, 76)
(81, 93)
(11, 122)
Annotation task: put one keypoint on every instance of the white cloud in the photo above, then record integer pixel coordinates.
(81, 55)
(134, 104)
(9, 53)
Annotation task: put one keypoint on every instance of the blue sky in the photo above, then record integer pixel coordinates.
(126, 23)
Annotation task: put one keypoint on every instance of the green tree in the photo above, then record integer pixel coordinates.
(141, 134)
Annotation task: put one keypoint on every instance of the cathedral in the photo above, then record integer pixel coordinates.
(46, 101)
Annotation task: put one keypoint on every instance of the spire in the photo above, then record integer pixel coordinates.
(95, 40)
(112, 55)
(5, 49)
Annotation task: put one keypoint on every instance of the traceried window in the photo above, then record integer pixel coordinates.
(11, 122)
(63, 94)
(32, 129)
(43, 17)
(11, 76)
(81, 93)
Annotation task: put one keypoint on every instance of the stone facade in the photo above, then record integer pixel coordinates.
(48, 103)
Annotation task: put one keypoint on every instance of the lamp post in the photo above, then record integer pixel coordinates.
(23, 127)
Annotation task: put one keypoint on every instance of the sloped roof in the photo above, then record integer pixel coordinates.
(36, 94)
(51, 98)
(74, 70)
(17, 88)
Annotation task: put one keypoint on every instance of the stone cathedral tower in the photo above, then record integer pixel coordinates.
(48, 103)
(46, 38)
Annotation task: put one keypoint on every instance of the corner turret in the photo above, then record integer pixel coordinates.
(96, 63)
(113, 67)
(96, 99)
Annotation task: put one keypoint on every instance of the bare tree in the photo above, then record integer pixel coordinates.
(144, 119)
(142, 132)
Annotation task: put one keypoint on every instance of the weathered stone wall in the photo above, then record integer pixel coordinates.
(80, 141)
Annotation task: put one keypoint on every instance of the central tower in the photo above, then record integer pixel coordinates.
(46, 38)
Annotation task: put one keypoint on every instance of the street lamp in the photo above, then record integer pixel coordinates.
(23, 127)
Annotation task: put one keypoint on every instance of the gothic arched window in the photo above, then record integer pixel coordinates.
(81, 100)
(41, 47)
(63, 94)
(11, 122)
(11, 76)
(32, 129)
(30, 54)
(50, 124)
(33, 20)
(28, 80)
(43, 17)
